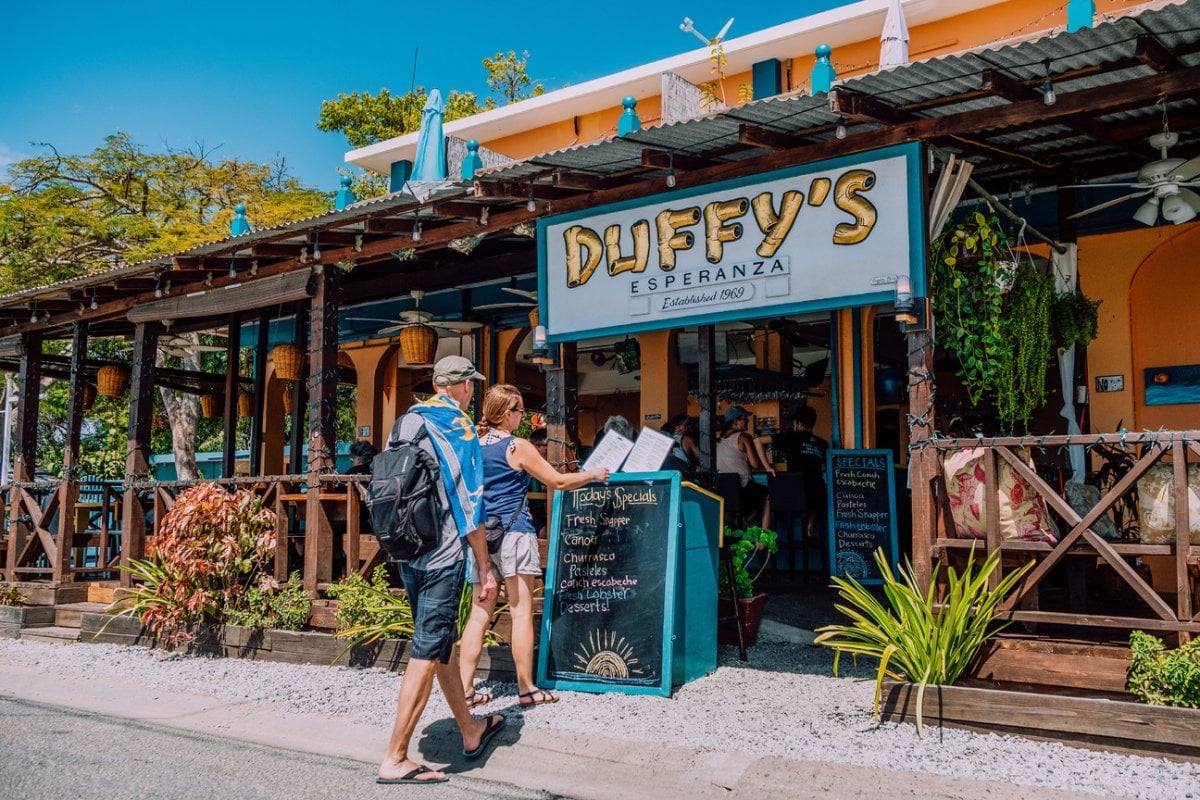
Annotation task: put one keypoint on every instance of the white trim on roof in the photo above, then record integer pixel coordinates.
(849, 24)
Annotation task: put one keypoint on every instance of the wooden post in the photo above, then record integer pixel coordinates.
(69, 487)
(562, 406)
(1183, 540)
(260, 393)
(137, 459)
(707, 401)
(24, 446)
(233, 350)
(299, 397)
(322, 419)
(923, 462)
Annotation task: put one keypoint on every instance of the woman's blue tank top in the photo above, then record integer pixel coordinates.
(504, 487)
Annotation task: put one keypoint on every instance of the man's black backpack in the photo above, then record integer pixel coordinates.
(402, 497)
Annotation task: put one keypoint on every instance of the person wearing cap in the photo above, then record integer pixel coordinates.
(736, 454)
(434, 580)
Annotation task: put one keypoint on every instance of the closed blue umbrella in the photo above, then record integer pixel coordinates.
(429, 162)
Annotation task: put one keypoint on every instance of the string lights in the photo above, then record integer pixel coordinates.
(1048, 96)
(670, 169)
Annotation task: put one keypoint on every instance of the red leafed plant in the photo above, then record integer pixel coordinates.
(209, 548)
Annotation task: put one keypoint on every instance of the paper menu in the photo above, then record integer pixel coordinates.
(649, 451)
(609, 453)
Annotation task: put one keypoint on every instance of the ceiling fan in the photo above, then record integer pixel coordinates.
(1166, 181)
(419, 316)
(530, 301)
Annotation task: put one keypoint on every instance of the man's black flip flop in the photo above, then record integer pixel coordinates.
(493, 727)
(411, 777)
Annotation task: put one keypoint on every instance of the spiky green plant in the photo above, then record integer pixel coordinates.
(915, 637)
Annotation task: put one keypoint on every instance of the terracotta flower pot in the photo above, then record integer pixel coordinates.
(751, 609)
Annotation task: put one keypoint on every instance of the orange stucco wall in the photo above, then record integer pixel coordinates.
(991, 24)
(1149, 283)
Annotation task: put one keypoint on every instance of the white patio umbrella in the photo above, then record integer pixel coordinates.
(893, 43)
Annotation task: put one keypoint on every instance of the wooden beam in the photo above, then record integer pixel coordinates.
(260, 391)
(233, 351)
(458, 210)
(388, 225)
(661, 159)
(1154, 54)
(864, 106)
(272, 250)
(322, 424)
(767, 139)
(340, 238)
(580, 180)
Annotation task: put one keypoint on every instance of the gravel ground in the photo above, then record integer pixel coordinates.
(787, 704)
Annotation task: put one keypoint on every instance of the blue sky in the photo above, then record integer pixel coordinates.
(249, 77)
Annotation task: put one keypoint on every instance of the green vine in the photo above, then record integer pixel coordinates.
(968, 301)
(1021, 375)
(1074, 319)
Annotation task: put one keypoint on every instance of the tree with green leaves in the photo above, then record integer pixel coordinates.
(367, 118)
(64, 215)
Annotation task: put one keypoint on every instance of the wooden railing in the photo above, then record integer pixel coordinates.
(318, 535)
(43, 515)
(1168, 610)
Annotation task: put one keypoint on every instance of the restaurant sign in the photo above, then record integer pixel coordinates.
(816, 237)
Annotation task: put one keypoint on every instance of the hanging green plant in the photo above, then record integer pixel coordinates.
(1074, 319)
(968, 300)
(1021, 375)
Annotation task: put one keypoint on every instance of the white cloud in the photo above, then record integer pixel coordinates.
(9, 156)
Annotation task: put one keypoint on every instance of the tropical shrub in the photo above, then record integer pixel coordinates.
(271, 605)
(1074, 319)
(1164, 677)
(914, 636)
(743, 544)
(210, 546)
(11, 596)
(368, 611)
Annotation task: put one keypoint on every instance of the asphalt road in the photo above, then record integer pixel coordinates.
(55, 753)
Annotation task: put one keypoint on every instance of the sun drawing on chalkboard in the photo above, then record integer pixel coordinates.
(607, 655)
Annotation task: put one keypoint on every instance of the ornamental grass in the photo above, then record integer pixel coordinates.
(916, 637)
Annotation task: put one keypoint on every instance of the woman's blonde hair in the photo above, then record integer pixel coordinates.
(499, 400)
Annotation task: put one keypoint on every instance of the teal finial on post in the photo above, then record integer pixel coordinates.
(1080, 14)
(472, 161)
(345, 196)
(239, 225)
(629, 122)
(823, 76)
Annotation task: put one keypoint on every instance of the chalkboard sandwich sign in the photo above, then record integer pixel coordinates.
(862, 512)
(610, 581)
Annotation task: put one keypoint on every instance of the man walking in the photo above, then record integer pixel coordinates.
(434, 580)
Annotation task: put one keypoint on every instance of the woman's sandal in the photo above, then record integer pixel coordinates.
(537, 697)
(479, 697)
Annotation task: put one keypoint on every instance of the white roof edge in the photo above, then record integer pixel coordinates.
(845, 25)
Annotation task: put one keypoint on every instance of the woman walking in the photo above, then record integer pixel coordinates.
(508, 462)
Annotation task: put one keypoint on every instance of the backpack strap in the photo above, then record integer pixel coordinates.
(513, 519)
(394, 437)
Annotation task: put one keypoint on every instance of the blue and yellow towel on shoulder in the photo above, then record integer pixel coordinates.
(453, 436)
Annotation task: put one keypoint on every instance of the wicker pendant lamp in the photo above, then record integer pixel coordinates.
(112, 379)
(245, 404)
(288, 359)
(210, 405)
(418, 343)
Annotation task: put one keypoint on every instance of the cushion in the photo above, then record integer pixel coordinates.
(1023, 513)
(1156, 504)
(1082, 498)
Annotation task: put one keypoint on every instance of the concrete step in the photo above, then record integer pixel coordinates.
(51, 635)
(66, 615)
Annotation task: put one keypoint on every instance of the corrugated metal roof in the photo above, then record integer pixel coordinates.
(1175, 25)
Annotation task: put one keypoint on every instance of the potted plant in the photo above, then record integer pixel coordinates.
(743, 546)
(992, 311)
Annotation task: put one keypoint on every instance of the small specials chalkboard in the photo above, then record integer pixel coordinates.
(862, 512)
(610, 581)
